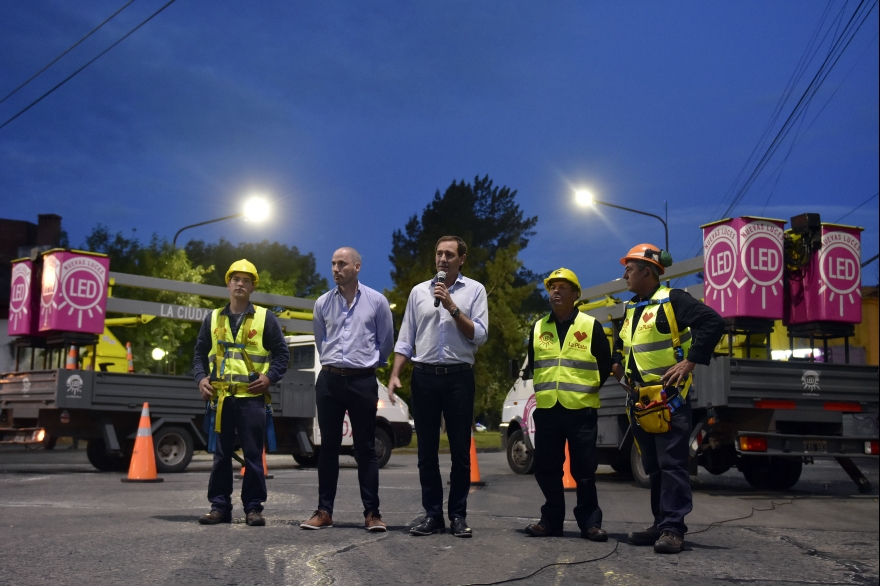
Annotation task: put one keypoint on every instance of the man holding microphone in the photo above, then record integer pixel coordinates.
(445, 322)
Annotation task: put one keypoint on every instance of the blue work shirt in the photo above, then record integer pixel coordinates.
(428, 334)
(360, 336)
(273, 341)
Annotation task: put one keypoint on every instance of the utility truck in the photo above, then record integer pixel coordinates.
(763, 405)
(94, 397)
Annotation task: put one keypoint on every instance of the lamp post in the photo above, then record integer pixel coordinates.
(256, 209)
(585, 198)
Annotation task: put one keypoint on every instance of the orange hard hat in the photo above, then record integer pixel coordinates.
(646, 252)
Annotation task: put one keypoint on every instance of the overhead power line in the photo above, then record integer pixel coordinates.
(69, 49)
(856, 208)
(98, 56)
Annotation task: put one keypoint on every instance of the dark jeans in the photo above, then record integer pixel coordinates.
(553, 427)
(248, 417)
(665, 458)
(358, 395)
(451, 395)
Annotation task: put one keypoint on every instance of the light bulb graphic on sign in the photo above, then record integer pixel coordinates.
(74, 292)
(20, 299)
(720, 265)
(840, 271)
(761, 249)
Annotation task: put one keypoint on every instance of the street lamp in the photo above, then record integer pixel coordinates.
(256, 209)
(585, 199)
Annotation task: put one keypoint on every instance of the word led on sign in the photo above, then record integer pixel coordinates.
(743, 267)
(23, 309)
(829, 287)
(74, 292)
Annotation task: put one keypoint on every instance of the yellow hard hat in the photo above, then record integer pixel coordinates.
(243, 266)
(563, 274)
(648, 253)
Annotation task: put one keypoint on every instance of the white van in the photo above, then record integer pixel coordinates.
(394, 426)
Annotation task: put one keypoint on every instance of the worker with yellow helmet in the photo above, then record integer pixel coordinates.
(569, 358)
(665, 334)
(239, 353)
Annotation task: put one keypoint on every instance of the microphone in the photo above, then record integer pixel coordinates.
(441, 276)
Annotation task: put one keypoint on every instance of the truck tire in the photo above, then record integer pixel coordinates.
(173, 447)
(519, 457)
(307, 461)
(104, 461)
(769, 472)
(383, 447)
(638, 471)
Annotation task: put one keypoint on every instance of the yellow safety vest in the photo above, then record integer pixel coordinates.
(653, 352)
(569, 374)
(230, 364)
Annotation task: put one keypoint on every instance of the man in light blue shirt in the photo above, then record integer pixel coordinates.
(354, 335)
(445, 321)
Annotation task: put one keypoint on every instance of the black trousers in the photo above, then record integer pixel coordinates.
(553, 427)
(247, 416)
(451, 395)
(358, 395)
(665, 458)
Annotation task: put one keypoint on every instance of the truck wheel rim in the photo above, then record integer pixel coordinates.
(170, 449)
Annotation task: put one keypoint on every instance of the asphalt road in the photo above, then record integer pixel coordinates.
(62, 522)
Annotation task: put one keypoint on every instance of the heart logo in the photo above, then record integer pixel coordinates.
(580, 336)
(252, 333)
(647, 316)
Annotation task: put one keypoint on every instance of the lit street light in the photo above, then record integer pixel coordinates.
(585, 199)
(255, 209)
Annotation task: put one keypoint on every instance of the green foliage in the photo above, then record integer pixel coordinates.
(156, 259)
(495, 230)
(283, 269)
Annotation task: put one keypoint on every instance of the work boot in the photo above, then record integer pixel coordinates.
(373, 522)
(595, 534)
(668, 543)
(459, 528)
(540, 529)
(647, 537)
(255, 519)
(320, 519)
(215, 517)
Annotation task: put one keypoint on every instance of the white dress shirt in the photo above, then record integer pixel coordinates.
(429, 334)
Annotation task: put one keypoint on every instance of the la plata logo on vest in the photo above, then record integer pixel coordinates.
(545, 339)
(580, 337)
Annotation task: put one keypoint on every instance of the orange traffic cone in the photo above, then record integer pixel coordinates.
(568, 482)
(71, 359)
(143, 458)
(266, 474)
(129, 357)
(475, 464)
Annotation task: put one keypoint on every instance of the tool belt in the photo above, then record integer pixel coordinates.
(653, 409)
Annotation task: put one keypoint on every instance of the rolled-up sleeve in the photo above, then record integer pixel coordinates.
(406, 337)
(480, 316)
(384, 330)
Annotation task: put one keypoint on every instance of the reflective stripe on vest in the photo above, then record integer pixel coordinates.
(652, 350)
(569, 374)
(229, 365)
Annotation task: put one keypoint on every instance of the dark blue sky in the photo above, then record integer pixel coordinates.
(349, 115)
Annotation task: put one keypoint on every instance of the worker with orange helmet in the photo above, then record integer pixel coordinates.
(239, 353)
(665, 334)
(569, 359)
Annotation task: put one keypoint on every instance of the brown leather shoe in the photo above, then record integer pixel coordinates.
(320, 519)
(541, 530)
(595, 534)
(669, 542)
(214, 518)
(373, 522)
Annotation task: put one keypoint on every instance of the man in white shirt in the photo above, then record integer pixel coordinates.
(445, 321)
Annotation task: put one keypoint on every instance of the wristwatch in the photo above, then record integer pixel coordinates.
(456, 313)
